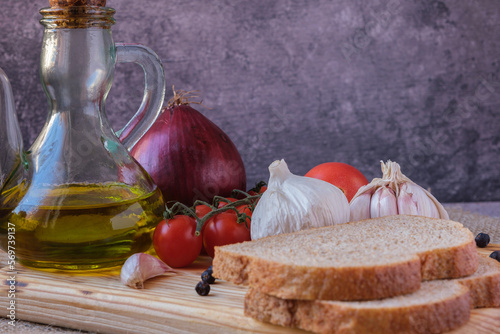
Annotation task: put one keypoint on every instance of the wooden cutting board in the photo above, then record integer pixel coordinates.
(168, 304)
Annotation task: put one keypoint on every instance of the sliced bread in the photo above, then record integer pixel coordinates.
(438, 306)
(484, 284)
(364, 260)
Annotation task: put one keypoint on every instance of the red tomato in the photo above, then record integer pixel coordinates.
(202, 210)
(344, 176)
(223, 229)
(175, 241)
(223, 204)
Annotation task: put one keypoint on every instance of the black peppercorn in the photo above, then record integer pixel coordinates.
(482, 240)
(495, 255)
(207, 277)
(202, 288)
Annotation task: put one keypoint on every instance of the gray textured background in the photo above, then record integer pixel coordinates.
(312, 81)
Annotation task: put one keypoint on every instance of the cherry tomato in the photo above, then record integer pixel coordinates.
(344, 176)
(223, 204)
(241, 209)
(175, 241)
(223, 229)
(202, 210)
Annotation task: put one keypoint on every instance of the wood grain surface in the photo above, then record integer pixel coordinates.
(168, 304)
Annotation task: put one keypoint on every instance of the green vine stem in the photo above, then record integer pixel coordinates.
(177, 208)
(258, 186)
(242, 217)
(250, 200)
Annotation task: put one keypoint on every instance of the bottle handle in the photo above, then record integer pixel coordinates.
(154, 91)
(11, 140)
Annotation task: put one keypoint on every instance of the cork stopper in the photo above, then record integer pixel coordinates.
(77, 14)
(77, 3)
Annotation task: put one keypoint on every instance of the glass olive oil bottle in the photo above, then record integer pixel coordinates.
(85, 203)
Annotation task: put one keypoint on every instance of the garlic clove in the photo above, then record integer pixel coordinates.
(388, 203)
(375, 203)
(383, 203)
(406, 204)
(425, 205)
(434, 213)
(360, 207)
(140, 267)
(442, 213)
(371, 187)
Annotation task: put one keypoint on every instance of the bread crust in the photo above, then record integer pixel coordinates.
(291, 281)
(454, 262)
(345, 283)
(439, 316)
(484, 285)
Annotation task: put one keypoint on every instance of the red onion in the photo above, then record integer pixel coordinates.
(188, 156)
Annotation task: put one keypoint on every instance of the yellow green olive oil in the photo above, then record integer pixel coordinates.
(82, 226)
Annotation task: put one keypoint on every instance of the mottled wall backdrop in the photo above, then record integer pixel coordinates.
(312, 81)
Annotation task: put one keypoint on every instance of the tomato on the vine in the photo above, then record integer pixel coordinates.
(342, 175)
(223, 204)
(175, 241)
(202, 210)
(223, 229)
(245, 208)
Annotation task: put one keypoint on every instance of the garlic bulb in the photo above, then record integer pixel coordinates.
(292, 203)
(394, 194)
(140, 267)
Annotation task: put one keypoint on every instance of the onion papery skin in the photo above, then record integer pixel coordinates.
(189, 157)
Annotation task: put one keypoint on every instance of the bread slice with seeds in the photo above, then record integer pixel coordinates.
(438, 306)
(364, 260)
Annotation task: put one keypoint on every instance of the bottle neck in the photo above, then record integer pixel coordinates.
(77, 17)
(77, 67)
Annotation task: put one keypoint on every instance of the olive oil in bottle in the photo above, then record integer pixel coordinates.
(86, 203)
(91, 227)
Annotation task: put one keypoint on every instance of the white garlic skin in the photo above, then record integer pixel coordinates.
(394, 194)
(139, 267)
(293, 203)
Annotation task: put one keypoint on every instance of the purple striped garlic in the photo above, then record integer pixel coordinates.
(394, 194)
